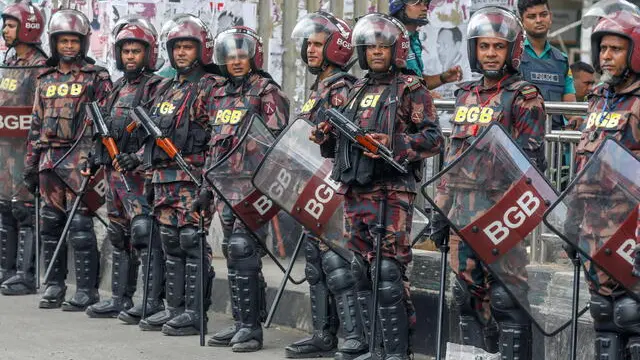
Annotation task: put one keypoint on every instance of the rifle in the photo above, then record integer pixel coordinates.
(107, 140)
(140, 117)
(358, 138)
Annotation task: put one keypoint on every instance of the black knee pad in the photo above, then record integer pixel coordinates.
(116, 236)
(313, 268)
(141, 228)
(626, 313)
(81, 235)
(52, 221)
(22, 213)
(243, 254)
(5, 209)
(338, 272)
(504, 308)
(601, 309)
(189, 241)
(391, 287)
(170, 239)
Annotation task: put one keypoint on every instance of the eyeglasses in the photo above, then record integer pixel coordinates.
(416, 2)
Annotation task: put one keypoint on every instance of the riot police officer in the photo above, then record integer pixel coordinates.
(130, 222)
(23, 25)
(326, 49)
(249, 90)
(495, 50)
(398, 112)
(169, 188)
(59, 121)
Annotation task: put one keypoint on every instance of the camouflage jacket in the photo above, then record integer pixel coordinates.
(180, 111)
(231, 106)
(415, 133)
(611, 114)
(331, 91)
(33, 57)
(127, 94)
(59, 116)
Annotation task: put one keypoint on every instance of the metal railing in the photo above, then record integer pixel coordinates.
(560, 149)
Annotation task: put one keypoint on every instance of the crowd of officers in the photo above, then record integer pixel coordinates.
(391, 101)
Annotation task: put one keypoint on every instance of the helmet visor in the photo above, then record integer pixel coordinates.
(375, 29)
(494, 23)
(607, 9)
(231, 45)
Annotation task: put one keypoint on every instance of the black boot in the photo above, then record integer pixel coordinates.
(87, 263)
(188, 323)
(8, 242)
(55, 289)
(123, 277)
(155, 303)
(24, 282)
(351, 289)
(224, 336)
(323, 342)
(174, 292)
(245, 260)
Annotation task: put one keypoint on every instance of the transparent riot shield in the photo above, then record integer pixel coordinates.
(17, 92)
(296, 177)
(230, 178)
(598, 213)
(493, 197)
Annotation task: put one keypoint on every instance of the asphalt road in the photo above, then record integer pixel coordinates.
(27, 332)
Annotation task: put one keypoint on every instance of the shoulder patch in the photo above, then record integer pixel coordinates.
(413, 82)
(529, 92)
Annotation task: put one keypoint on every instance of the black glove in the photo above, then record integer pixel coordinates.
(128, 162)
(636, 262)
(148, 191)
(203, 201)
(92, 164)
(31, 181)
(439, 229)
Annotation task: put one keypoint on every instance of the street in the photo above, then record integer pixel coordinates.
(27, 332)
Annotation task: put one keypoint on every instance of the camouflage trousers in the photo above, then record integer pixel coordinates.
(172, 204)
(466, 264)
(123, 206)
(361, 216)
(56, 195)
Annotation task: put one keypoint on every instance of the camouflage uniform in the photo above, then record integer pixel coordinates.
(622, 121)
(16, 218)
(332, 91)
(231, 107)
(180, 112)
(519, 107)
(58, 122)
(130, 221)
(414, 135)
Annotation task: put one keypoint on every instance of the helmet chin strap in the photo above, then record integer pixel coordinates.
(493, 74)
(132, 74)
(187, 69)
(70, 59)
(315, 70)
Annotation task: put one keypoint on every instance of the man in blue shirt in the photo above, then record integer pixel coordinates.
(542, 64)
(413, 14)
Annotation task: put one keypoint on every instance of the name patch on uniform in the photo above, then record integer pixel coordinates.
(228, 116)
(369, 100)
(474, 114)
(63, 90)
(545, 77)
(308, 106)
(7, 84)
(600, 120)
(165, 108)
